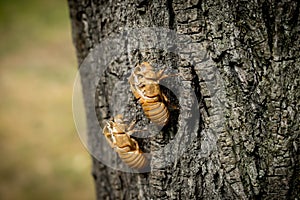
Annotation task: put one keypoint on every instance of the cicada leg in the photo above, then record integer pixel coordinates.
(131, 125)
(175, 107)
(161, 75)
(137, 147)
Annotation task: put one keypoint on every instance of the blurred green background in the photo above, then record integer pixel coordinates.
(41, 153)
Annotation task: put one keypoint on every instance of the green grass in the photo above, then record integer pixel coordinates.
(42, 156)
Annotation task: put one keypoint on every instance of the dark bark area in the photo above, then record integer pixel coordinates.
(255, 48)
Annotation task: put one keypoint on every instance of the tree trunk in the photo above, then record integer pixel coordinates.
(234, 131)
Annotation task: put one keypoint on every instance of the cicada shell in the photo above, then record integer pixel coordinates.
(144, 84)
(118, 134)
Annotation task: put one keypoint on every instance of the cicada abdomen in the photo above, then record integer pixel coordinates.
(133, 158)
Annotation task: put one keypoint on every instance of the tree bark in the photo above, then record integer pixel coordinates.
(253, 150)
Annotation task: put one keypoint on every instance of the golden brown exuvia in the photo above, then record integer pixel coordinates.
(144, 84)
(117, 134)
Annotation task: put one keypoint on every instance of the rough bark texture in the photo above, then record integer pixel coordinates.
(255, 47)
